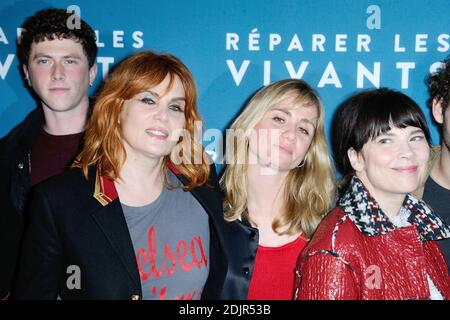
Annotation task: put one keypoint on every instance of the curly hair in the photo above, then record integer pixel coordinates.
(50, 24)
(438, 84)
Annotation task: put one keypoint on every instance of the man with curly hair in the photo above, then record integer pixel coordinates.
(58, 62)
(436, 191)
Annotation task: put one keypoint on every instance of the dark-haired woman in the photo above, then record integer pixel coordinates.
(380, 242)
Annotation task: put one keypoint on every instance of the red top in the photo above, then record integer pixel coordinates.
(273, 271)
(52, 155)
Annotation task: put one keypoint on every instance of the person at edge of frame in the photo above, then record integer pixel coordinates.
(436, 189)
(59, 65)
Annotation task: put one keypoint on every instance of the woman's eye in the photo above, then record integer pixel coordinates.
(303, 130)
(175, 107)
(418, 138)
(278, 119)
(148, 101)
(384, 140)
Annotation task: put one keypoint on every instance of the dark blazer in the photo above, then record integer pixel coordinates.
(15, 183)
(69, 226)
(243, 241)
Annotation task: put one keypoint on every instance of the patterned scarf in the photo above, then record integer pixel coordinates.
(368, 217)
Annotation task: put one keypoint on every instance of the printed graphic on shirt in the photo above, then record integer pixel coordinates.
(157, 266)
(171, 242)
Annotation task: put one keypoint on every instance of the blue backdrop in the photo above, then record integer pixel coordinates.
(234, 47)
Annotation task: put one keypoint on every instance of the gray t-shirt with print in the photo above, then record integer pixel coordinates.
(171, 242)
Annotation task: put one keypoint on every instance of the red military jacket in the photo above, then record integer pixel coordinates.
(357, 253)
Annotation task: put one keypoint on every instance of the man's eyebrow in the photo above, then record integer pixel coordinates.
(73, 56)
(45, 55)
(40, 55)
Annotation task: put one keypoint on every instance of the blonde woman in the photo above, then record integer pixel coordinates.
(278, 184)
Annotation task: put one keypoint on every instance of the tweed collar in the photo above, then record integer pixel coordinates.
(368, 217)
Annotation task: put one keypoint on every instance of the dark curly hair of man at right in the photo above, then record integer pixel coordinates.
(439, 85)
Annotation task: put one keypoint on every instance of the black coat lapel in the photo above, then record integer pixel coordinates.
(112, 222)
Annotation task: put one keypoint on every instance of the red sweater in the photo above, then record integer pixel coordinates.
(273, 271)
(52, 155)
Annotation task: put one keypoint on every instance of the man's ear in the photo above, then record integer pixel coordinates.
(26, 73)
(356, 160)
(92, 73)
(437, 110)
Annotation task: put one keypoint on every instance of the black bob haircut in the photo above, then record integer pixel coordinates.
(365, 116)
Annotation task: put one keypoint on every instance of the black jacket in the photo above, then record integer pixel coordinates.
(70, 227)
(243, 242)
(15, 182)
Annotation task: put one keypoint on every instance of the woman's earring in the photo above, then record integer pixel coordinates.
(303, 162)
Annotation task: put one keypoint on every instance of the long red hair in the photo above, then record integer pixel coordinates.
(103, 140)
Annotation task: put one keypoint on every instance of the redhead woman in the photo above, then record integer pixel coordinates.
(140, 214)
(278, 184)
(380, 241)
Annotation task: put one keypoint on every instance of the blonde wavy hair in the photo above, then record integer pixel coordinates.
(103, 137)
(309, 191)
